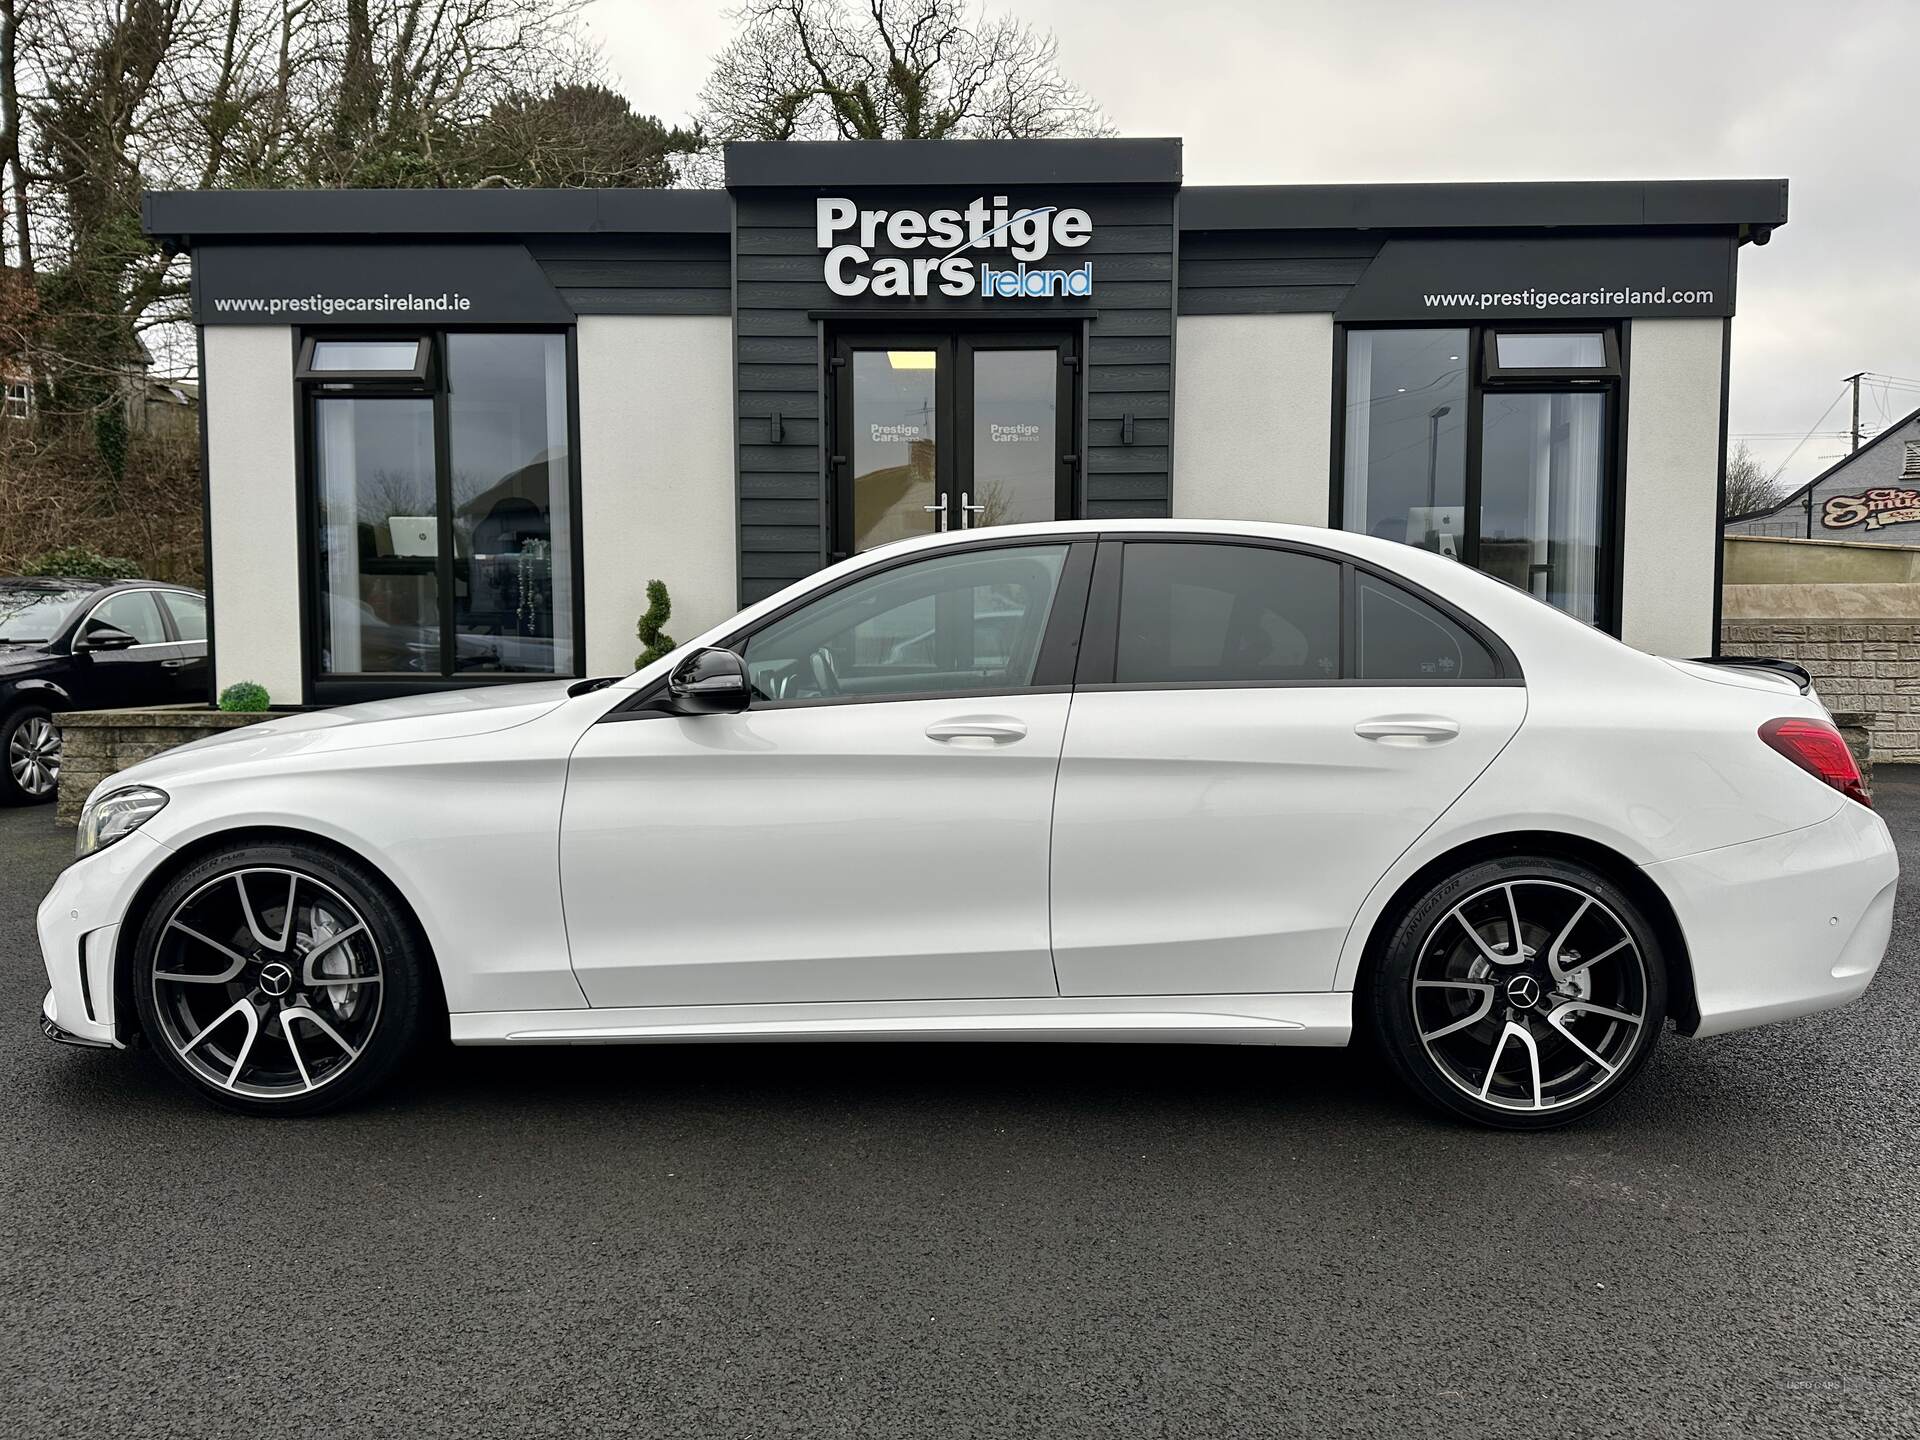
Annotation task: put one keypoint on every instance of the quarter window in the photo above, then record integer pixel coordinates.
(1209, 614)
(947, 625)
(1398, 636)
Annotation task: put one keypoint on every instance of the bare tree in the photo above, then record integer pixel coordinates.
(890, 69)
(1751, 486)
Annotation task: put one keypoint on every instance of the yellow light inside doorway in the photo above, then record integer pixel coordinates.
(910, 359)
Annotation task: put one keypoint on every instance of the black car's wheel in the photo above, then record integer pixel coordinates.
(29, 756)
(280, 979)
(1520, 993)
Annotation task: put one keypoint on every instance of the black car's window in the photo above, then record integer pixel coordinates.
(189, 614)
(1401, 637)
(30, 614)
(1212, 613)
(134, 612)
(944, 625)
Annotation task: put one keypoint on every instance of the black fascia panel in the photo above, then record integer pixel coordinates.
(1521, 205)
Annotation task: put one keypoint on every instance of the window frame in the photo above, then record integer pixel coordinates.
(426, 348)
(1612, 383)
(1099, 648)
(318, 688)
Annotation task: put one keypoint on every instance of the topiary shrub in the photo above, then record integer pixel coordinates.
(244, 696)
(657, 641)
(81, 563)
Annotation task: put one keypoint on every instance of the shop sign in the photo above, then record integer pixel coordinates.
(1878, 508)
(986, 248)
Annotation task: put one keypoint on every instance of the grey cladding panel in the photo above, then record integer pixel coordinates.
(779, 328)
(1269, 273)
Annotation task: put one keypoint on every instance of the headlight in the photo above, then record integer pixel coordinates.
(118, 812)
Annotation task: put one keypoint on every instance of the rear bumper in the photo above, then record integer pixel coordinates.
(1788, 925)
(79, 925)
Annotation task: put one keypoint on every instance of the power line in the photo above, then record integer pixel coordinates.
(1781, 467)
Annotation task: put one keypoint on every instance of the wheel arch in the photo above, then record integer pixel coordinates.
(1683, 1008)
(126, 1014)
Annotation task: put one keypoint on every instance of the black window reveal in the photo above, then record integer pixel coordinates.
(443, 543)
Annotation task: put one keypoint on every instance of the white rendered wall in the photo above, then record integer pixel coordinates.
(1253, 400)
(253, 506)
(1674, 447)
(656, 476)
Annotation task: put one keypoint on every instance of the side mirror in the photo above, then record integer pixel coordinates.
(709, 682)
(102, 636)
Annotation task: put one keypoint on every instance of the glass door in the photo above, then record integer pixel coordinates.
(1015, 465)
(936, 432)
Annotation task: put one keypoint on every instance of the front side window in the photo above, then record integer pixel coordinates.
(1209, 614)
(444, 520)
(132, 611)
(952, 624)
(1487, 445)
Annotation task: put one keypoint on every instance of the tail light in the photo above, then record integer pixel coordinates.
(1816, 747)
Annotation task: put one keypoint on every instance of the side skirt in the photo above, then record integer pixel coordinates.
(1319, 1018)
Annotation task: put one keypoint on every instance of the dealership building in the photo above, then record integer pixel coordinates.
(451, 435)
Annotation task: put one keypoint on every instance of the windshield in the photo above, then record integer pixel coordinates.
(32, 615)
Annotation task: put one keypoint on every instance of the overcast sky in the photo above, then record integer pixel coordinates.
(1382, 90)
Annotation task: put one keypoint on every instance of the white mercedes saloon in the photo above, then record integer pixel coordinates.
(1132, 781)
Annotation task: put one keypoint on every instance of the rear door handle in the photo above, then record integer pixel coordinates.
(978, 730)
(1408, 729)
(178, 664)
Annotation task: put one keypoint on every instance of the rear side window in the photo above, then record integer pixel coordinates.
(1400, 637)
(1198, 614)
(189, 614)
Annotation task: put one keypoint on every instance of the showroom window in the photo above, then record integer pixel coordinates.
(1491, 444)
(443, 496)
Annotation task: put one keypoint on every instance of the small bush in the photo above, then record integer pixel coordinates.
(657, 641)
(82, 563)
(244, 696)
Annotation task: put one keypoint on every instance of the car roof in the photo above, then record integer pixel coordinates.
(57, 583)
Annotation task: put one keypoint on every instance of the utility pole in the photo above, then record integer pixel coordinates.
(1854, 380)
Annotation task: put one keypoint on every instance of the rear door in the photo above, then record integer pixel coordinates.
(1258, 730)
(189, 665)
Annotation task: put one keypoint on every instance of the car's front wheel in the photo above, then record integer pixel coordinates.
(1521, 992)
(280, 979)
(29, 756)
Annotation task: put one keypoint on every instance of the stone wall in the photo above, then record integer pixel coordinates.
(96, 743)
(1871, 667)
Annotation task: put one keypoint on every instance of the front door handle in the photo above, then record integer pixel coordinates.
(1408, 729)
(969, 510)
(939, 510)
(177, 664)
(977, 730)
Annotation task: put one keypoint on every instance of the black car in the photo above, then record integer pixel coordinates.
(88, 645)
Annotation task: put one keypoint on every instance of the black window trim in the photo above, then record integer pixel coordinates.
(415, 376)
(1551, 377)
(1100, 647)
(345, 688)
(1053, 670)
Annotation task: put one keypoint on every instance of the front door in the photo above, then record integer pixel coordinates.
(875, 826)
(140, 674)
(939, 431)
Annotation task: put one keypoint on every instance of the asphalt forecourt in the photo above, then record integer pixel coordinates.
(896, 1240)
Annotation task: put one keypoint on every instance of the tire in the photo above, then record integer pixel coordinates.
(1527, 1042)
(217, 946)
(29, 756)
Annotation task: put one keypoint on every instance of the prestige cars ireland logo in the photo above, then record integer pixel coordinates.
(969, 250)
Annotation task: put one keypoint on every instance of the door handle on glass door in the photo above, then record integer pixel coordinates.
(978, 729)
(1408, 729)
(938, 509)
(968, 511)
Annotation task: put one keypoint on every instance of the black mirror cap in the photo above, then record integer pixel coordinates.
(102, 636)
(709, 682)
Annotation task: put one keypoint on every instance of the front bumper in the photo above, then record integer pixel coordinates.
(1785, 926)
(79, 925)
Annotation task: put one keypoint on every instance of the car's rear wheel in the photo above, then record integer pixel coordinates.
(29, 756)
(1521, 993)
(280, 979)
